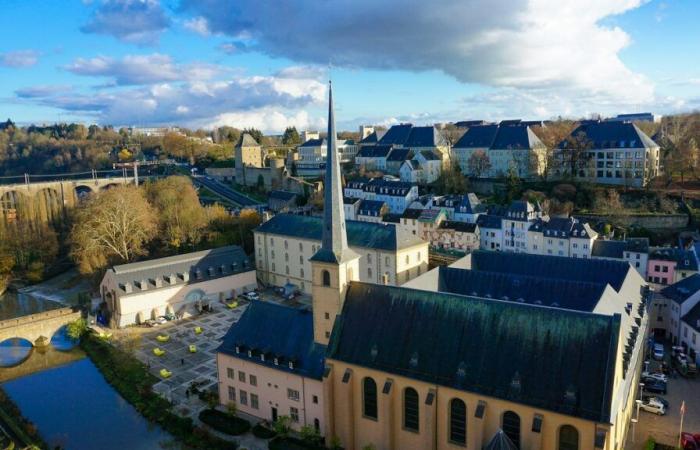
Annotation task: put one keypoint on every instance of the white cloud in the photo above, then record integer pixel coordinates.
(19, 58)
(142, 69)
(198, 25)
(265, 101)
(135, 21)
(562, 46)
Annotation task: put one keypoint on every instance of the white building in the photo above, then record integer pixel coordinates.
(460, 207)
(284, 244)
(398, 195)
(516, 222)
(560, 236)
(491, 232)
(177, 285)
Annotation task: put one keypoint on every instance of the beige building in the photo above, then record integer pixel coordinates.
(177, 285)
(284, 244)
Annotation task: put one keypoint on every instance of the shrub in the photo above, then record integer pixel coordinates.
(290, 443)
(224, 423)
(263, 432)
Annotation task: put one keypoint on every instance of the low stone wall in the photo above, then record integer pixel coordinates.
(650, 222)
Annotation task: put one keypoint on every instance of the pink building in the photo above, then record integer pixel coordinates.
(270, 366)
(669, 265)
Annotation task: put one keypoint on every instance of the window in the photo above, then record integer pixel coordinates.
(458, 421)
(327, 316)
(410, 409)
(301, 259)
(301, 273)
(244, 397)
(511, 427)
(254, 401)
(369, 272)
(301, 247)
(664, 269)
(293, 394)
(314, 399)
(229, 373)
(408, 259)
(241, 376)
(568, 438)
(326, 275)
(253, 380)
(286, 244)
(294, 414)
(369, 258)
(231, 394)
(369, 398)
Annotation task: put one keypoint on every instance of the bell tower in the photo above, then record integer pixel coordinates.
(334, 265)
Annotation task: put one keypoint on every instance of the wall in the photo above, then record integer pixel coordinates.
(651, 222)
(35, 326)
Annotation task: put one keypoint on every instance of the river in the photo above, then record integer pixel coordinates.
(62, 392)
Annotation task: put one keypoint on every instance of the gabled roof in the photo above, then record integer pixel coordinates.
(276, 331)
(181, 269)
(481, 136)
(613, 135)
(411, 213)
(547, 358)
(314, 143)
(685, 259)
(282, 195)
(386, 187)
(682, 290)
(637, 245)
(373, 137)
(608, 249)
(573, 269)
(360, 234)
(430, 215)
(412, 164)
(399, 154)
(513, 137)
(371, 207)
(692, 318)
(563, 228)
(428, 136)
(489, 221)
(462, 203)
(246, 140)
(374, 151)
(459, 226)
(397, 134)
(351, 200)
(430, 155)
(532, 289)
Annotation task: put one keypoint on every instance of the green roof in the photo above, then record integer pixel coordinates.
(360, 234)
(544, 357)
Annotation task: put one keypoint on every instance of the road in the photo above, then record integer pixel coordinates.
(226, 192)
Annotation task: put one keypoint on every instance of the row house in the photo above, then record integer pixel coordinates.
(460, 207)
(560, 236)
(633, 250)
(676, 314)
(516, 222)
(425, 168)
(670, 265)
(311, 155)
(398, 195)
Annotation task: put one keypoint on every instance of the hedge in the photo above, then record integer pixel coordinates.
(263, 432)
(135, 383)
(224, 423)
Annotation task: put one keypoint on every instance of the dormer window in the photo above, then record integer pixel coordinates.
(276, 361)
(250, 353)
(262, 357)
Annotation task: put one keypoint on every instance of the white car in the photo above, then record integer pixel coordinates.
(653, 406)
(658, 351)
(656, 376)
(252, 295)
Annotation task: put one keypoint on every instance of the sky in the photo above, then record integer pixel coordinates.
(265, 63)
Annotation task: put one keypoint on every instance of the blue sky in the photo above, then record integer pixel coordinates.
(203, 63)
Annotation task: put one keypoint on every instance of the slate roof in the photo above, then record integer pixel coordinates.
(459, 226)
(399, 154)
(384, 187)
(608, 249)
(430, 155)
(412, 213)
(692, 318)
(527, 354)
(172, 270)
(515, 137)
(685, 259)
(374, 151)
(465, 204)
(613, 135)
(351, 200)
(397, 134)
(469, 123)
(562, 267)
(276, 331)
(430, 215)
(637, 245)
(360, 234)
(392, 218)
(425, 137)
(371, 207)
(563, 228)
(682, 290)
(413, 164)
(532, 289)
(282, 195)
(489, 221)
(314, 143)
(478, 136)
(373, 137)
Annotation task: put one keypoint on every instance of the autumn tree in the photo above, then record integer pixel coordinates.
(112, 226)
(181, 218)
(680, 141)
(479, 163)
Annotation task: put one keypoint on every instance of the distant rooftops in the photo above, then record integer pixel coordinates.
(500, 137)
(682, 290)
(604, 135)
(409, 136)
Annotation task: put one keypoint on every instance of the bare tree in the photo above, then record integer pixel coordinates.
(114, 225)
(574, 155)
(551, 136)
(679, 144)
(452, 133)
(479, 163)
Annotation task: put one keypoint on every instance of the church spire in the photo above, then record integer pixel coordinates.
(334, 243)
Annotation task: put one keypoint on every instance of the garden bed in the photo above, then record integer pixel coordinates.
(134, 383)
(224, 423)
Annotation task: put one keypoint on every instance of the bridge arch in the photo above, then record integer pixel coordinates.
(14, 351)
(109, 186)
(13, 205)
(49, 204)
(37, 328)
(82, 192)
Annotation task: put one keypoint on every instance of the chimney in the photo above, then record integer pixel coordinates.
(158, 282)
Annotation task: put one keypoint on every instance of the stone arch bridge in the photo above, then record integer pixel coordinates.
(48, 199)
(38, 328)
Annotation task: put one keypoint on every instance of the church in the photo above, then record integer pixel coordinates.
(516, 350)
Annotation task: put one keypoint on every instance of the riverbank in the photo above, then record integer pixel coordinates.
(131, 379)
(21, 429)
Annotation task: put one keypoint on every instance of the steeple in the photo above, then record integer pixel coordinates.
(334, 243)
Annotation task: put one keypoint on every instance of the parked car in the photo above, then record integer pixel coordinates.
(663, 401)
(655, 386)
(655, 375)
(690, 441)
(161, 320)
(676, 349)
(252, 295)
(151, 323)
(682, 359)
(654, 406)
(658, 352)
